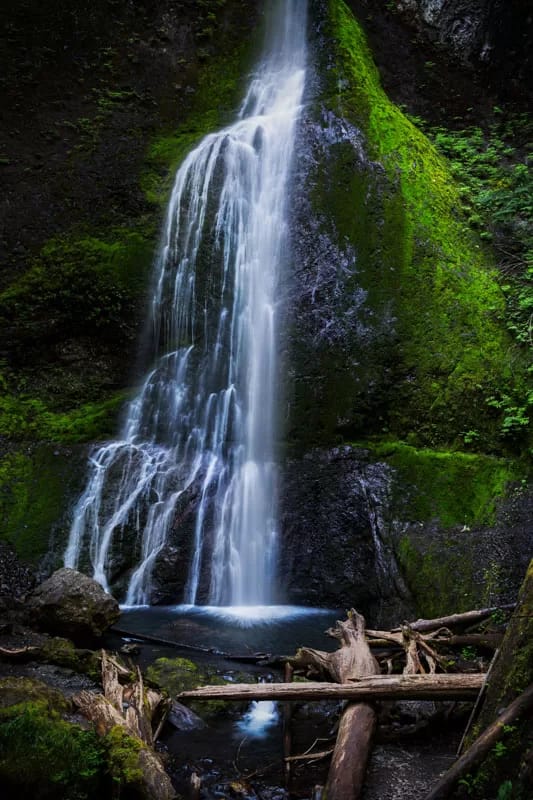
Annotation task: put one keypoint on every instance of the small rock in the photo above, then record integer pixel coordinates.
(130, 649)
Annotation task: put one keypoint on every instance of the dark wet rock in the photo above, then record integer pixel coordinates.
(462, 25)
(475, 31)
(74, 605)
(16, 578)
(183, 719)
(65, 681)
(335, 548)
(130, 649)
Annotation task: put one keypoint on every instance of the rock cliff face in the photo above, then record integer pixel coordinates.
(474, 31)
(393, 331)
(93, 99)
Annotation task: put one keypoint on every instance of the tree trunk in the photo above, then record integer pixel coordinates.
(465, 619)
(479, 749)
(353, 661)
(132, 708)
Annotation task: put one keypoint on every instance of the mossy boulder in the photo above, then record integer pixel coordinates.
(73, 604)
(16, 690)
(176, 675)
(63, 653)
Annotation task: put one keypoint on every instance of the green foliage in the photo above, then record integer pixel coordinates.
(81, 281)
(469, 653)
(505, 791)
(495, 186)
(45, 757)
(23, 417)
(419, 261)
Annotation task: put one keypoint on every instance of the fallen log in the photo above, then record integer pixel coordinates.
(245, 658)
(378, 687)
(482, 745)
(19, 653)
(132, 707)
(464, 619)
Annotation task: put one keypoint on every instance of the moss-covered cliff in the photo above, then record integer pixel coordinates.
(428, 351)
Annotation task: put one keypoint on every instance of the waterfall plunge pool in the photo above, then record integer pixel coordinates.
(248, 737)
(275, 629)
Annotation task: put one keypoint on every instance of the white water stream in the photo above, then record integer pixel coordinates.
(206, 415)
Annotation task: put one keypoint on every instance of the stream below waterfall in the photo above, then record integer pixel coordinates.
(239, 751)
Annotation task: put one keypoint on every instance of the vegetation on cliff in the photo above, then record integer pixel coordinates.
(450, 358)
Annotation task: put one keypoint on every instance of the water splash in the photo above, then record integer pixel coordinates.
(205, 418)
(260, 717)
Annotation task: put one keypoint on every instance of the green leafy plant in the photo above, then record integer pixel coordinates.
(499, 749)
(47, 757)
(505, 791)
(469, 653)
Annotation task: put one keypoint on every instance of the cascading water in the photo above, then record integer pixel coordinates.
(206, 414)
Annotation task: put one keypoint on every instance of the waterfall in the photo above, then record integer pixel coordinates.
(205, 417)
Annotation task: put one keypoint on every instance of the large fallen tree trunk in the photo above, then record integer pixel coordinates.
(379, 687)
(353, 661)
(132, 707)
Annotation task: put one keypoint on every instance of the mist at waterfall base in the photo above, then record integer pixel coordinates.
(274, 629)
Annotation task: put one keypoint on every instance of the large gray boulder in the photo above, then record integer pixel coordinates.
(72, 604)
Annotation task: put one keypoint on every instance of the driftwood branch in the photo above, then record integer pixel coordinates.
(462, 620)
(310, 756)
(19, 653)
(482, 745)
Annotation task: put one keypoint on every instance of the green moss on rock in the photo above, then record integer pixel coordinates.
(122, 754)
(63, 653)
(453, 488)
(175, 675)
(15, 691)
(35, 485)
(42, 756)
(419, 264)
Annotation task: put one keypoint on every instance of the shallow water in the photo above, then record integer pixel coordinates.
(278, 630)
(248, 739)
